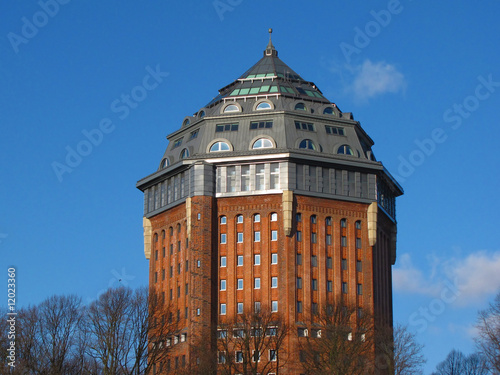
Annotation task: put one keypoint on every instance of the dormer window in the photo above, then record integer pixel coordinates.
(177, 142)
(307, 144)
(345, 150)
(231, 108)
(201, 114)
(262, 143)
(220, 146)
(186, 122)
(184, 153)
(263, 106)
(300, 107)
(164, 163)
(328, 111)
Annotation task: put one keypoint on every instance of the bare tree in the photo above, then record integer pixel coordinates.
(456, 363)
(340, 342)
(252, 343)
(475, 364)
(398, 352)
(488, 340)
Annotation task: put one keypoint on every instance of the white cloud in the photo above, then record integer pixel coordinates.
(476, 277)
(373, 79)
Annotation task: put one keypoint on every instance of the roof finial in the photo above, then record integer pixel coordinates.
(270, 50)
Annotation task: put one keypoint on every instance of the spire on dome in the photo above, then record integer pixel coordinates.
(270, 50)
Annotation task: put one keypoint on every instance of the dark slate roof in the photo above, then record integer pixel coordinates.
(270, 75)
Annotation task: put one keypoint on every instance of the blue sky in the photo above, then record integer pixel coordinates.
(422, 77)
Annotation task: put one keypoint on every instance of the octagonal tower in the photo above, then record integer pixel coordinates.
(269, 197)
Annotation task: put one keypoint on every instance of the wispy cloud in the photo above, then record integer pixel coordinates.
(476, 276)
(374, 79)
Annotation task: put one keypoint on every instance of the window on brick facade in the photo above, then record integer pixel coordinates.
(256, 283)
(239, 219)
(313, 219)
(239, 308)
(223, 309)
(256, 218)
(314, 284)
(343, 241)
(328, 221)
(314, 261)
(359, 266)
(274, 235)
(223, 220)
(223, 285)
(299, 259)
(329, 262)
(240, 284)
(313, 237)
(358, 243)
(273, 357)
(358, 224)
(240, 237)
(328, 239)
(238, 356)
(343, 264)
(299, 282)
(329, 286)
(239, 260)
(156, 255)
(343, 223)
(299, 306)
(298, 217)
(223, 238)
(299, 236)
(344, 287)
(257, 307)
(256, 237)
(274, 306)
(223, 261)
(221, 357)
(274, 216)
(274, 258)
(274, 282)
(314, 308)
(256, 260)
(360, 289)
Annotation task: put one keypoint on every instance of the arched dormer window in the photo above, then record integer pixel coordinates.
(184, 153)
(186, 122)
(300, 107)
(220, 146)
(231, 108)
(262, 143)
(164, 163)
(307, 144)
(201, 114)
(328, 111)
(263, 106)
(345, 150)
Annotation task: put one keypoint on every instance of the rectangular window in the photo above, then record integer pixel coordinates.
(261, 125)
(313, 237)
(359, 266)
(178, 246)
(226, 128)
(314, 284)
(156, 277)
(329, 286)
(299, 236)
(299, 259)
(223, 309)
(274, 258)
(328, 221)
(314, 308)
(231, 179)
(328, 239)
(171, 249)
(221, 357)
(256, 218)
(223, 261)
(257, 307)
(344, 287)
(274, 182)
(223, 238)
(314, 261)
(186, 289)
(302, 332)
(358, 243)
(223, 285)
(171, 273)
(256, 356)
(274, 306)
(178, 291)
(240, 260)
(360, 289)
(299, 306)
(272, 355)
(259, 177)
(298, 217)
(334, 130)
(240, 237)
(240, 284)
(256, 260)
(198, 263)
(307, 126)
(245, 178)
(198, 311)
(239, 307)
(256, 283)
(177, 142)
(163, 274)
(156, 255)
(344, 264)
(343, 241)
(194, 134)
(256, 236)
(274, 235)
(299, 282)
(274, 217)
(238, 357)
(178, 268)
(239, 219)
(223, 220)
(329, 262)
(274, 282)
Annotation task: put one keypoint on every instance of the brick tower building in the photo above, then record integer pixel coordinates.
(268, 198)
